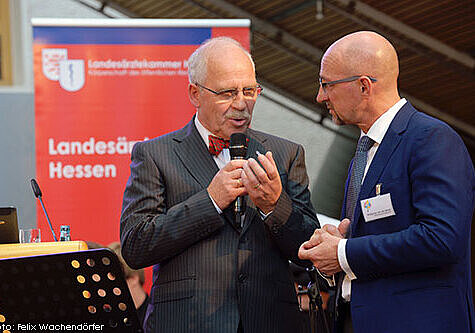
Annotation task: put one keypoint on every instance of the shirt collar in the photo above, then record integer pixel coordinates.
(202, 130)
(379, 128)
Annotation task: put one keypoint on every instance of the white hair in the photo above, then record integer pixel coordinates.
(198, 59)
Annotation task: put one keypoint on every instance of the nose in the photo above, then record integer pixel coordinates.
(321, 95)
(239, 102)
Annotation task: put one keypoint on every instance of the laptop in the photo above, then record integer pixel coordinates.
(8, 225)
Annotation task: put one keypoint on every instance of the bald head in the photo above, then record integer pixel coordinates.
(370, 66)
(365, 53)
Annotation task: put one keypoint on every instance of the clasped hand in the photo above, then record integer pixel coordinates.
(247, 177)
(322, 248)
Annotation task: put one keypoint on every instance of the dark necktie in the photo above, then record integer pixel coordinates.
(357, 171)
(216, 145)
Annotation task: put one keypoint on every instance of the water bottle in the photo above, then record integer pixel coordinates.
(65, 233)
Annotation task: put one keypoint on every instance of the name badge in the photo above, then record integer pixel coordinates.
(377, 207)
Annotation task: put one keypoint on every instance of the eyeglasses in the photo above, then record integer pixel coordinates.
(231, 94)
(324, 85)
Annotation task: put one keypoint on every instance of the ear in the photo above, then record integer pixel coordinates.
(365, 86)
(194, 95)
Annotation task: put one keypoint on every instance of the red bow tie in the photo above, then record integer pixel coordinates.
(216, 145)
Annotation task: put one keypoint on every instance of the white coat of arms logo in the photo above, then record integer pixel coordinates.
(51, 59)
(57, 67)
(71, 74)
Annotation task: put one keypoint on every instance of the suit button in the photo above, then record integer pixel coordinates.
(242, 277)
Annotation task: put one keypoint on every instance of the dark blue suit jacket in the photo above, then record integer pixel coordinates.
(413, 268)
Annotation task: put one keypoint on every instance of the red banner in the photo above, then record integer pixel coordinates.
(98, 90)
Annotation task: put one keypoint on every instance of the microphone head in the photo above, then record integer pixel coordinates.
(36, 188)
(238, 146)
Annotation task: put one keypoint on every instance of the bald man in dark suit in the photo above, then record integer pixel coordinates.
(212, 274)
(402, 249)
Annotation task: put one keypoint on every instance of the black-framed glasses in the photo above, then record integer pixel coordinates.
(324, 85)
(231, 94)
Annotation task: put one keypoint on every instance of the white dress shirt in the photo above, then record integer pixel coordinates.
(376, 133)
(224, 157)
(221, 160)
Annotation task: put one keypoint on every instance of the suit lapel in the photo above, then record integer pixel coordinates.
(194, 154)
(195, 157)
(390, 142)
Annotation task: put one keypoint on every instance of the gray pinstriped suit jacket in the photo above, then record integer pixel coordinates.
(207, 274)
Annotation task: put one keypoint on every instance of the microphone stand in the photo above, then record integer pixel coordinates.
(315, 298)
(37, 192)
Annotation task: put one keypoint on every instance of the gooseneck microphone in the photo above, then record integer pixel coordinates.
(238, 151)
(38, 194)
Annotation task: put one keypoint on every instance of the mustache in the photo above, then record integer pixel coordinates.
(234, 114)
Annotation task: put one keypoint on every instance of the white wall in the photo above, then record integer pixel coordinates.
(275, 118)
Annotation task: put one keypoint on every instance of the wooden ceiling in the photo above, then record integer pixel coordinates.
(435, 41)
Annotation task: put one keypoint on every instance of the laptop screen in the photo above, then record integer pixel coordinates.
(8, 225)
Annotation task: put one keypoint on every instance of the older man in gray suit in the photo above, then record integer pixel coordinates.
(211, 274)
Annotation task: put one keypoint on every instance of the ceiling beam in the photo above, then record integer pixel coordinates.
(409, 37)
(434, 112)
(270, 30)
(280, 38)
(119, 8)
(292, 11)
(410, 32)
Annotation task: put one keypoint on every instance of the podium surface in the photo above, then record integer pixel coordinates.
(31, 249)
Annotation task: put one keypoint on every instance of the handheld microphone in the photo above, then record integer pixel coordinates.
(38, 194)
(238, 151)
